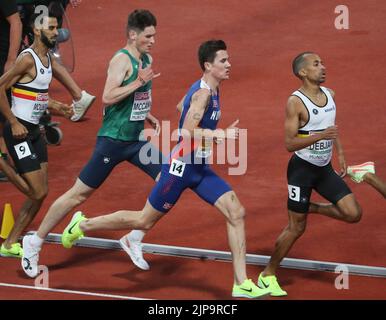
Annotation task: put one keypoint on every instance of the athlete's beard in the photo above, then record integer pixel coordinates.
(47, 42)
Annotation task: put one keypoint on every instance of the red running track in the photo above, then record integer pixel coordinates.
(263, 37)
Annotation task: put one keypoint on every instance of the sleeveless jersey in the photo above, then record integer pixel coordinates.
(319, 119)
(202, 147)
(30, 100)
(125, 119)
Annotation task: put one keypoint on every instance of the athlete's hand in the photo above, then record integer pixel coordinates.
(18, 130)
(232, 132)
(154, 123)
(330, 133)
(146, 74)
(66, 110)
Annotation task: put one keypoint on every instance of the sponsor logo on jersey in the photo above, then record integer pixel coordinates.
(330, 109)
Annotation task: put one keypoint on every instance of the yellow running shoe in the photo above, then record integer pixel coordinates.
(248, 290)
(16, 251)
(72, 231)
(270, 283)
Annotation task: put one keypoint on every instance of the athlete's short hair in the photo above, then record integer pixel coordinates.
(140, 19)
(207, 51)
(298, 62)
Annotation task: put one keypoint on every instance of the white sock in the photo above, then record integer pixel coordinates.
(36, 241)
(136, 235)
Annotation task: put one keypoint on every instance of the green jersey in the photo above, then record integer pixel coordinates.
(125, 119)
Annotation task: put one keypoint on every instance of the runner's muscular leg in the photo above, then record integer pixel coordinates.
(75, 196)
(347, 209)
(124, 219)
(37, 181)
(296, 226)
(234, 212)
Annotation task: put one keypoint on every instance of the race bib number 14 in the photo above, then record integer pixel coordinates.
(177, 168)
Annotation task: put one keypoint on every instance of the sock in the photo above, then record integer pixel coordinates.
(136, 235)
(36, 241)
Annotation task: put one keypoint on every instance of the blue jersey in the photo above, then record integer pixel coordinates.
(202, 147)
(187, 167)
(212, 113)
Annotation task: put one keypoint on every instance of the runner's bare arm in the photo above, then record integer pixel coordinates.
(198, 105)
(15, 39)
(20, 69)
(113, 92)
(62, 75)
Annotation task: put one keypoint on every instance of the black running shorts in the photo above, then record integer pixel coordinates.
(27, 153)
(303, 177)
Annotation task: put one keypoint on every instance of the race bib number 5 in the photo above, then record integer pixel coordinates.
(177, 168)
(294, 193)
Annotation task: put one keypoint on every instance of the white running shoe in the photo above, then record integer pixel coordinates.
(80, 107)
(30, 258)
(357, 172)
(134, 250)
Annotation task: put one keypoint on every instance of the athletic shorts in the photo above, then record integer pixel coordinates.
(110, 152)
(27, 153)
(175, 178)
(303, 177)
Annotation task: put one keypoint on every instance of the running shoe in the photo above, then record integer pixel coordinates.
(270, 283)
(134, 249)
(72, 231)
(248, 289)
(16, 251)
(357, 172)
(30, 258)
(81, 106)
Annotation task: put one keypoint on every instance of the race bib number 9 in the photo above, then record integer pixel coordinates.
(22, 150)
(294, 193)
(177, 168)
(141, 106)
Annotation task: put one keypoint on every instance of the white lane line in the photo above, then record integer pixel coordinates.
(85, 293)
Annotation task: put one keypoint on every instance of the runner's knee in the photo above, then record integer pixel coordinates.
(353, 214)
(236, 215)
(77, 197)
(39, 194)
(297, 229)
(143, 223)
